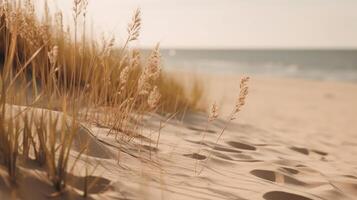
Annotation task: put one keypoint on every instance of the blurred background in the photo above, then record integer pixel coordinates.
(289, 38)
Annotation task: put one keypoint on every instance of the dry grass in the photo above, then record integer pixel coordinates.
(55, 136)
(184, 98)
(9, 141)
(214, 114)
(46, 65)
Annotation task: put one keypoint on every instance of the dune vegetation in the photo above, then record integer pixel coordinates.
(46, 64)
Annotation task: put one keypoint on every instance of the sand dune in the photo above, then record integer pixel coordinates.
(295, 140)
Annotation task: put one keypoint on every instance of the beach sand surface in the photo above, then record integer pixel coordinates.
(293, 140)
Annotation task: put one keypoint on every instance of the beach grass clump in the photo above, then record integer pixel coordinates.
(56, 134)
(48, 65)
(9, 141)
(58, 62)
(185, 98)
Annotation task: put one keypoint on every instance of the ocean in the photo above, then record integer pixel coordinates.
(307, 64)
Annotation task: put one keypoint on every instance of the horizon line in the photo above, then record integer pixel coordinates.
(249, 48)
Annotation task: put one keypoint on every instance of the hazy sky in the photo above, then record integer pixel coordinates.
(231, 23)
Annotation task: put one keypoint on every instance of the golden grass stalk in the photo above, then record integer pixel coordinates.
(134, 27)
(213, 115)
(240, 102)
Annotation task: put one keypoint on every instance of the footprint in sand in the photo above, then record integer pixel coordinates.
(195, 156)
(300, 150)
(306, 151)
(280, 195)
(241, 146)
(293, 167)
(319, 152)
(277, 177)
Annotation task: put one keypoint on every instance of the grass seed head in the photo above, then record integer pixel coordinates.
(134, 26)
(154, 98)
(240, 102)
(214, 113)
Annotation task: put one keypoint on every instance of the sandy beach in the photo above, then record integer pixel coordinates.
(178, 100)
(295, 140)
